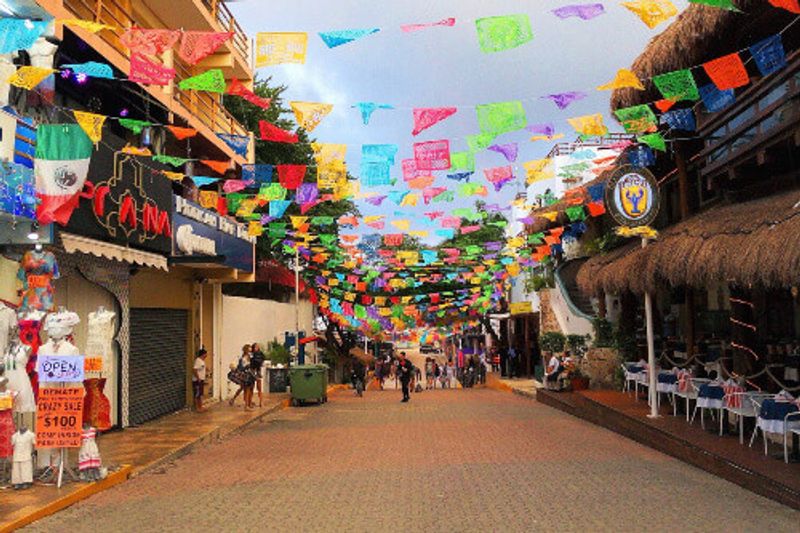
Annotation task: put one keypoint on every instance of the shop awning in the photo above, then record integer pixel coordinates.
(76, 243)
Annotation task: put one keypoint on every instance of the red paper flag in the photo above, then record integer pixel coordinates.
(217, 166)
(664, 105)
(291, 176)
(426, 117)
(182, 133)
(792, 6)
(222, 205)
(596, 209)
(152, 42)
(237, 88)
(271, 132)
(727, 72)
(148, 73)
(197, 45)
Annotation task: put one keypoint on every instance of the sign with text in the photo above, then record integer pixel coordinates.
(61, 368)
(93, 364)
(59, 417)
(520, 308)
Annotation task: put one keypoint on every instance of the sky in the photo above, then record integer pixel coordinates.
(445, 67)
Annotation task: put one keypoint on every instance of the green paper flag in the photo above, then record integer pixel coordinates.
(502, 117)
(637, 119)
(677, 85)
(212, 81)
(136, 126)
(170, 160)
(496, 34)
(654, 141)
(479, 142)
(234, 201)
(462, 161)
(271, 191)
(575, 213)
(446, 196)
(722, 4)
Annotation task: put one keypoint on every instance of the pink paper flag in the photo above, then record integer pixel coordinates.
(451, 222)
(499, 176)
(410, 170)
(197, 45)
(432, 192)
(426, 117)
(147, 72)
(234, 186)
(469, 229)
(408, 28)
(432, 155)
(433, 215)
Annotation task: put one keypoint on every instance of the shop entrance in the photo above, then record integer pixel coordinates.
(158, 371)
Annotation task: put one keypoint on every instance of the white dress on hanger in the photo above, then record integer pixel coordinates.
(8, 320)
(100, 337)
(18, 381)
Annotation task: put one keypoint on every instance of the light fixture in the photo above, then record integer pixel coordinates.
(33, 235)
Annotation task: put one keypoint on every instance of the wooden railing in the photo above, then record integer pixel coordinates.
(205, 106)
(219, 10)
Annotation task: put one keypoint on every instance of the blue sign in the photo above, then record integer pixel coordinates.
(60, 368)
(198, 232)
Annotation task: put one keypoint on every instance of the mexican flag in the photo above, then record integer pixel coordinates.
(61, 165)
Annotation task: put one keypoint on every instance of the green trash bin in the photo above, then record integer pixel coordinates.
(308, 382)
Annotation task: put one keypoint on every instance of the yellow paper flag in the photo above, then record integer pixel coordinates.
(297, 222)
(410, 199)
(652, 12)
(513, 269)
(538, 170)
(589, 124)
(87, 25)
(209, 199)
(547, 137)
(551, 215)
(91, 123)
(255, 229)
(247, 207)
(418, 233)
(29, 77)
(373, 219)
(402, 224)
(276, 48)
(624, 78)
(310, 114)
(174, 176)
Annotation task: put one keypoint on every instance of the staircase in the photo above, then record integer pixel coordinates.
(566, 279)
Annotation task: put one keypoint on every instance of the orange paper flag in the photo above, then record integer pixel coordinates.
(217, 166)
(182, 133)
(727, 72)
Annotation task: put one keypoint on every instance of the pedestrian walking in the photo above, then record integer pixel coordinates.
(257, 360)
(243, 376)
(429, 373)
(512, 362)
(199, 379)
(405, 372)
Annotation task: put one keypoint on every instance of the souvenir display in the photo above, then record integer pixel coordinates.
(37, 270)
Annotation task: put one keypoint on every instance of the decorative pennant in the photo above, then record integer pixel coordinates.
(769, 55)
(680, 119)
(274, 48)
(538, 170)
(677, 85)
(149, 41)
(581, 11)
(402, 224)
(270, 192)
(652, 12)
(502, 117)
(220, 167)
(716, 100)
(426, 117)
(19, 34)
(431, 193)
(170, 160)
(202, 181)
(136, 126)
(92, 69)
(379, 152)
(421, 183)
(271, 132)
(460, 176)
(277, 208)
(462, 161)
(664, 105)
(432, 155)
(590, 125)
(410, 200)
(147, 72)
(499, 176)
(479, 142)
(367, 108)
(408, 28)
(212, 81)
(792, 6)
(722, 4)
(332, 39)
(91, 123)
(376, 200)
(641, 156)
(509, 151)
(237, 88)
(87, 25)
(234, 186)
(624, 79)
(397, 197)
(197, 45)
(209, 199)
(306, 193)
(28, 77)
(654, 141)
(310, 114)
(182, 133)
(255, 229)
(496, 34)
(291, 176)
(238, 143)
(564, 100)
(637, 119)
(376, 173)
(727, 72)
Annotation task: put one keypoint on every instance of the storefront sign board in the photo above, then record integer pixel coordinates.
(632, 196)
(520, 308)
(59, 417)
(60, 368)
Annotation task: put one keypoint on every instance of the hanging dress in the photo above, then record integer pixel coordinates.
(89, 454)
(16, 360)
(36, 271)
(6, 425)
(29, 331)
(99, 343)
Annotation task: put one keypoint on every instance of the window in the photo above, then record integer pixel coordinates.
(718, 154)
(742, 117)
(745, 138)
(774, 95)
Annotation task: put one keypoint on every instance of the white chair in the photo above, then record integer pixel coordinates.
(790, 428)
(665, 388)
(743, 408)
(766, 425)
(704, 403)
(689, 394)
(631, 377)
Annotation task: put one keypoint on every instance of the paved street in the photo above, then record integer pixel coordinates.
(459, 460)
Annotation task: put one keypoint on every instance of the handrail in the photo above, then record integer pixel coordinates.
(572, 307)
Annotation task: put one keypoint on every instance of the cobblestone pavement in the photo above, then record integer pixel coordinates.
(458, 460)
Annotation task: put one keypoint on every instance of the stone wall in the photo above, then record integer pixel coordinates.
(548, 320)
(600, 365)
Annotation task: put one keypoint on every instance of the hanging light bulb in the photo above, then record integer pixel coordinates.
(33, 234)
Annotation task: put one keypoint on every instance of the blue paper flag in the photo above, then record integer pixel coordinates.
(397, 196)
(447, 233)
(200, 181)
(641, 156)
(278, 207)
(376, 173)
(367, 108)
(237, 143)
(92, 69)
(714, 99)
(340, 37)
(17, 190)
(596, 192)
(680, 119)
(258, 174)
(769, 55)
(460, 176)
(379, 152)
(19, 34)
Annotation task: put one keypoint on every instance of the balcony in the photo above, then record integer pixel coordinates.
(219, 11)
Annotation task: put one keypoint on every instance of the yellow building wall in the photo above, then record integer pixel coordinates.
(157, 289)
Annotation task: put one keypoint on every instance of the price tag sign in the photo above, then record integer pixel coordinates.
(60, 368)
(93, 364)
(59, 417)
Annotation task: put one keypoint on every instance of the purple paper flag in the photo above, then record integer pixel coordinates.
(563, 100)
(582, 11)
(526, 220)
(376, 200)
(307, 193)
(509, 151)
(542, 129)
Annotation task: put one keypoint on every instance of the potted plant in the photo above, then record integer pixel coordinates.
(552, 341)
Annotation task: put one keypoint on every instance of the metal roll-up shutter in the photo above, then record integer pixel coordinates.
(157, 365)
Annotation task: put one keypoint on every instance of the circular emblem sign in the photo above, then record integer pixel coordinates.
(632, 196)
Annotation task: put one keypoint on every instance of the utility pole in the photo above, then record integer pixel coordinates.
(297, 299)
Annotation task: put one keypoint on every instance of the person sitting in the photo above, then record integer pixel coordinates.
(553, 373)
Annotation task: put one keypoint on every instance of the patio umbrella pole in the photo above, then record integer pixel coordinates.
(652, 391)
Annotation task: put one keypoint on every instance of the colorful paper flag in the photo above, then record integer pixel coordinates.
(637, 119)
(509, 151)
(197, 45)
(581, 11)
(28, 77)
(677, 85)
(479, 142)
(654, 141)
(291, 176)
(271, 132)
(792, 6)
(278, 207)
(680, 119)
(564, 100)
(714, 99)
(88, 25)
(182, 133)
(652, 12)
(170, 160)
(496, 34)
(426, 117)
(332, 39)
(212, 81)
(93, 69)
(769, 55)
(310, 114)
(152, 42)
(727, 72)
(237, 88)
(19, 33)
(274, 48)
(367, 108)
(590, 125)
(538, 170)
(462, 161)
(135, 126)
(220, 167)
(499, 176)
(502, 117)
(238, 143)
(91, 123)
(147, 72)
(432, 155)
(624, 79)
(408, 28)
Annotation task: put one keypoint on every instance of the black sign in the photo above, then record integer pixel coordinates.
(632, 196)
(129, 201)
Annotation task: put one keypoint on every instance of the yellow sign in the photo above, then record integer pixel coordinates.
(521, 308)
(277, 48)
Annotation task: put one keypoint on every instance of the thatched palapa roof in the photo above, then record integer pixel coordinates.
(751, 243)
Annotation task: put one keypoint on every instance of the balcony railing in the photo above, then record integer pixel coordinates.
(219, 10)
(206, 107)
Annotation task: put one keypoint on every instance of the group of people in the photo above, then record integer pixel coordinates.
(247, 375)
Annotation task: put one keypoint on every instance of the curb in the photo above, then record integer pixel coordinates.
(114, 478)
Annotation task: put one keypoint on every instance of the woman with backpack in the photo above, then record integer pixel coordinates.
(244, 376)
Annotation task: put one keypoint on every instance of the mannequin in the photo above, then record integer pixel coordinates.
(37, 269)
(15, 363)
(8, 321)
(6, 416)
(89, 454)
(30, 323)
(23, 442)
(96, 407)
